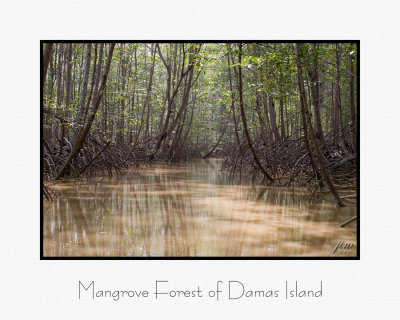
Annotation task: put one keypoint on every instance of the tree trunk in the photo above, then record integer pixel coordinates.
(146, 101)
(59, 77)
(68, 85)
(60, 93)
(97, 79)
(282, 125)
(167, 130)
(46, 60)
(272, 117)
(232, 97)
(352, 107)
(84, 85)
(244, 121)
(269, 130)
(306, 114)
(260, 118)
(339, 116)
(121, 129)
(83, 134)
(316, 102)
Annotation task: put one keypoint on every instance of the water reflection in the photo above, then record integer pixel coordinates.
(189, 209)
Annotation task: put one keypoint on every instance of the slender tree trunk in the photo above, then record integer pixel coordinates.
(68, 86)
(47, 55)
(232, 98)
(46, 60)
(121, 129)
(97, 77)
(352, 107)
(60, 93)
(167, 129)
(59, 77)
(306, 113)
(146, 101)
(282, 125)
(244, 121)
(305, 131)
(149, 87)
(316, 102)
(269, 130)
(260, 118)
(339, 111)
(83, 134)
(272, 113)
(85, 84)
(92, 86)
(189, 127)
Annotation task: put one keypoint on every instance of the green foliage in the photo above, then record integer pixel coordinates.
(268, 69)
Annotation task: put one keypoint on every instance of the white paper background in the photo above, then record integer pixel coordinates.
(34, 289)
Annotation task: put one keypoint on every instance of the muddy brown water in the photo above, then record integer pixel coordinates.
(190, 209)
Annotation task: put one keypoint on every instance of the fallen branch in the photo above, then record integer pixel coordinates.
(94, 158)
(347, 222)
(212, 150)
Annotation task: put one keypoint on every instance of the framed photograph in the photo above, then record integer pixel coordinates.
(205, 149)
